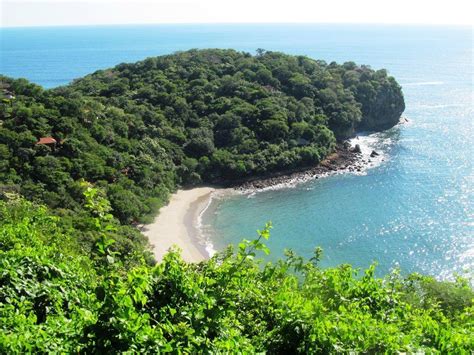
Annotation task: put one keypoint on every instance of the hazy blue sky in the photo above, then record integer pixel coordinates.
(86, 12)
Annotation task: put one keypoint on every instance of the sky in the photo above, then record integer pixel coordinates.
(94, 12)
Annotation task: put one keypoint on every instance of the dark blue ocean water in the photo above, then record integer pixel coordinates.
(414, 208)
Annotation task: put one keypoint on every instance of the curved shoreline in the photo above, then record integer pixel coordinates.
(179, 222)
(175, 225)
(345, 159)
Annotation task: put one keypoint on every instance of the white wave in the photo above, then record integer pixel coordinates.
(369, 143)
(423, 83)
(210, 249)
(203, 237)
(289, 183)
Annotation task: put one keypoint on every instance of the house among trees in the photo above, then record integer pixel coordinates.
(5, 92)
(7, 95)
(49, 141)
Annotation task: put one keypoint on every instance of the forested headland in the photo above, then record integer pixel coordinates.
(139, 130)
(81, 164)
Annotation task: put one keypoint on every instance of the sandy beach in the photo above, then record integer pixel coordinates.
(176, 225)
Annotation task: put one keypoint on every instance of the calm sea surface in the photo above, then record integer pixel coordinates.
(415, 208)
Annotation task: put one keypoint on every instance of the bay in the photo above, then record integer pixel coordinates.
(414, 209)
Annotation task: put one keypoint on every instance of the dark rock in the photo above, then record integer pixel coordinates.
(345, 159)
(374, 154)
(356, 149)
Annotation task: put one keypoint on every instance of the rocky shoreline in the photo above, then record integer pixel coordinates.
(345, 158)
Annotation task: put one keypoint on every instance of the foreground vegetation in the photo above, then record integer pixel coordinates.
(55, 297)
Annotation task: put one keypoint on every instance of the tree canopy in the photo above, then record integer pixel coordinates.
(139, 130)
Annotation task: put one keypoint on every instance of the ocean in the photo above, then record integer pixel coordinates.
(412, 208)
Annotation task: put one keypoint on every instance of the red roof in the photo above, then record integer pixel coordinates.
(46, 140)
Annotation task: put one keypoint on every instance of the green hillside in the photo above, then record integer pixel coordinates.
(139, 130)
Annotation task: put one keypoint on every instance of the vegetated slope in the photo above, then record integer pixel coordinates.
(74, 279)
(139, 130)
(53, 298)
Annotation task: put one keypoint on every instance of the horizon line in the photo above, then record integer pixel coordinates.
(422, 24)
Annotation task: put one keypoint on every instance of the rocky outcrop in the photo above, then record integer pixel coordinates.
(356, 149)
(382, 107)
(344, 159)
(380, 104)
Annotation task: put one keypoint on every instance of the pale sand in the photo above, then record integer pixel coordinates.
(176, 224)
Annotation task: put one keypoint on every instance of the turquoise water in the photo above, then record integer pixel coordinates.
(414, 209)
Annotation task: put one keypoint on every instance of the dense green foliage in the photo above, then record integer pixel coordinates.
(139, 130)
(76, 277)
(54, 298)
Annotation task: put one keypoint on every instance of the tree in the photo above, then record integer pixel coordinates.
(273, 130)
(125, 204)
(200, 143)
